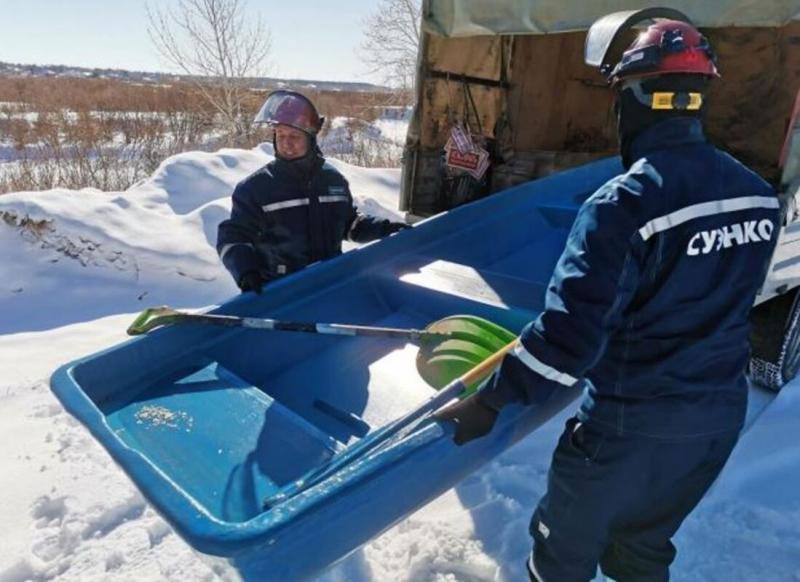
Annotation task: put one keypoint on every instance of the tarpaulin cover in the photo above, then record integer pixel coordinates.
(453, 18)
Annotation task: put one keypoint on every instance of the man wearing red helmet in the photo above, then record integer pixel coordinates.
(647, 308)
(297, 209)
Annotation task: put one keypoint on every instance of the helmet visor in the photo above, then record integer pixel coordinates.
(606, 31)
(289, 108)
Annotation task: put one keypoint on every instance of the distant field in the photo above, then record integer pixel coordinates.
(109, 134)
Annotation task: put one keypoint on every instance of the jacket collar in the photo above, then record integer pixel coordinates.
(667, 134)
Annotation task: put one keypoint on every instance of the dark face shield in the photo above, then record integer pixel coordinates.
(292, 109)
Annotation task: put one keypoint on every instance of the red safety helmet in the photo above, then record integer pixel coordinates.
(290, 108)
(666, 47)
(672, 45)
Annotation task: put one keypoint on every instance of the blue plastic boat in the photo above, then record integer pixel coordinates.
(209, 422)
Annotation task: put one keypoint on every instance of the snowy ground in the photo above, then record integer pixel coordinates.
(70, 286)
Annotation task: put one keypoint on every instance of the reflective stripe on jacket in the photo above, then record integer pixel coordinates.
(283, 219)
(650, 299)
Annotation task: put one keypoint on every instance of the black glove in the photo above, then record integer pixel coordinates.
(251, 281)
(474, 418)
(394, 227)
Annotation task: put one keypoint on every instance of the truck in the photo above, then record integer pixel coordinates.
(503, 96)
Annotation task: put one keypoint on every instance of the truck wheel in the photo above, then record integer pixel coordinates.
(775, 339)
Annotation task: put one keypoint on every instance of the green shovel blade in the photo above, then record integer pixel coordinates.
(472, 340)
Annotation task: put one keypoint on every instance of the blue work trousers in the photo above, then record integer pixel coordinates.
(616, 501)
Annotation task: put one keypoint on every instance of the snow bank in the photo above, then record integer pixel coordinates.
(91, 254)
(76, 267)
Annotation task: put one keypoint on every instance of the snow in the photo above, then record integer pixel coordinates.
(377, 142)
(77, 266)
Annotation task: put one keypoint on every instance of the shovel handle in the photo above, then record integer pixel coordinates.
(380, 437)
(486, 367)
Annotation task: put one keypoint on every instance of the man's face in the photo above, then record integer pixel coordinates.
(290, 142)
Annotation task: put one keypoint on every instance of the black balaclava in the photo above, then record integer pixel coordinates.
(633, 117)
(306, 165)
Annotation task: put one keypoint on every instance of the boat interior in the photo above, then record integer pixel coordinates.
(273, 405)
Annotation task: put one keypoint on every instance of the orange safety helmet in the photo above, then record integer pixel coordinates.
(292, 109)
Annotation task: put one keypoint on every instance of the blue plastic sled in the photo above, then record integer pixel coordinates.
(210, 422)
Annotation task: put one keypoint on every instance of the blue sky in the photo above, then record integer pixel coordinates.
(311, 39)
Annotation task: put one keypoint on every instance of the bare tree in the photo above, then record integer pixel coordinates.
(218, 46)
(391, 41)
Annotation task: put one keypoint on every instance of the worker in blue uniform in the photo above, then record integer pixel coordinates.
(648, 308)
(297, 209)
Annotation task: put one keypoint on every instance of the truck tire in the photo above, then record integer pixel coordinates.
(775, 340)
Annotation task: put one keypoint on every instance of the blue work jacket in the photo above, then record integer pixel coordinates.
(286, 216)
(649, 302)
